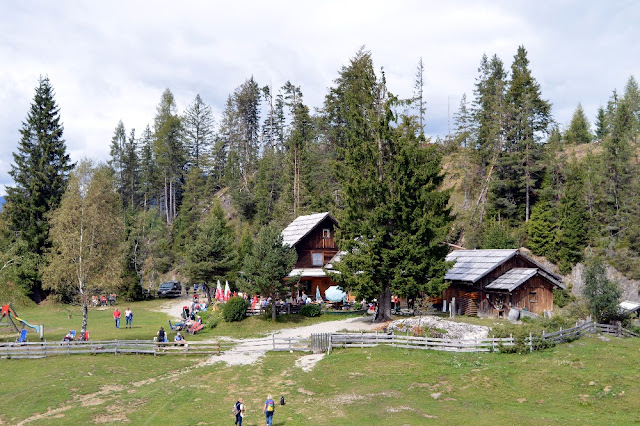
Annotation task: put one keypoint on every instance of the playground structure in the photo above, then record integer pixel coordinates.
(10, 319)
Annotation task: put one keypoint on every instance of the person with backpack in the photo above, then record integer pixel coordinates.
(238, 411)
(269, 409)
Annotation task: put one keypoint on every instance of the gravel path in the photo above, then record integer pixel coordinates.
(249, 351)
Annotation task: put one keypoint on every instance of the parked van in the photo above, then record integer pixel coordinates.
(170, 289)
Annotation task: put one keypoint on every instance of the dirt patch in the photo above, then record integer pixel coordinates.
(307, 362)
(306, 392)
(111, 418)
(92, 402)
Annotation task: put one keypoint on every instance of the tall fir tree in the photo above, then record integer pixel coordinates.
(198, 132)
(169, 152)
(394, 217)
(40, 171)
(578, 131)
(572, 232)
(601, 124)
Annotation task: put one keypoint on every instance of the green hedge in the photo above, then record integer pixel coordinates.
(235, 309)
(311, 310)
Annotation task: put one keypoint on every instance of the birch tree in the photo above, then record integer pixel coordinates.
(86, 231)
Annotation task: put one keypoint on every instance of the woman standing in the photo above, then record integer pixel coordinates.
(269, 409)
(239, 411)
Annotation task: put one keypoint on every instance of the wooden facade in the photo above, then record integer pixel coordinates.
(534, 295)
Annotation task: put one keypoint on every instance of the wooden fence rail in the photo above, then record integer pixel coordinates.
(317, 343)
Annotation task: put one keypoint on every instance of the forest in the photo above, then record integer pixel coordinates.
(200, 197)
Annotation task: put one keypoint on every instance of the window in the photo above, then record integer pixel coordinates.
(326, 233)
(533, 297)
(317, 259)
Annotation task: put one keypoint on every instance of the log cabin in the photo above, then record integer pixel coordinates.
(313, 237)
(490, 283)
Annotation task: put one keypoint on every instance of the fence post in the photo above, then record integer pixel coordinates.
(218, 347)
(330, 344)
(530, 342)
(273, 338)
(493, 343)
(361, 339)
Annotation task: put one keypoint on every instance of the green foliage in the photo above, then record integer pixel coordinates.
(211, 255)
(395, 216)
(40, 171)
(268, 264)
(310, 310)
(497, 235)
(562, 297)
(578, 131)
(211, 318)
(602, 294)
(235, 309)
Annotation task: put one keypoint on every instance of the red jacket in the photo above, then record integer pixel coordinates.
(116, 314)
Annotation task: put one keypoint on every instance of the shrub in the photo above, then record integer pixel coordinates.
(562, 297)
(235, 309)
(311, 310)
(210, 319)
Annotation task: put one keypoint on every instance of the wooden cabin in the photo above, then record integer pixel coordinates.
(313, 237)
(492, 282)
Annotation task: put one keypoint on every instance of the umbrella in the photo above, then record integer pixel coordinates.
(335, 294)
(227, 292)
(219, 291)
(318, 297)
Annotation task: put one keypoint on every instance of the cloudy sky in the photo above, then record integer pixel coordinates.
(111, 60)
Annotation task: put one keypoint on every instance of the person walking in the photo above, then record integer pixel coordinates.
(116, 317)
(128, 318)
(239, 411)
(269, 409)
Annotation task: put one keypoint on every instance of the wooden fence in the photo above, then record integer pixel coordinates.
(366, 340)
(323, 342)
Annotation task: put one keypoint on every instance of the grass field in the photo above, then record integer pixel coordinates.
(588, 381)
(585, 382)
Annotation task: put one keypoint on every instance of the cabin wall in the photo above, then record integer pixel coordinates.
(535, 295)
(316, 242)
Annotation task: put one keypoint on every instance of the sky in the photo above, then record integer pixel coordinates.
(111, 60)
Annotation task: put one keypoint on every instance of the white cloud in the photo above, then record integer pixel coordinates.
(111, 60)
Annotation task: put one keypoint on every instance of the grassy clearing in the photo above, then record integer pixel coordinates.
(147, 319)
(586, 382)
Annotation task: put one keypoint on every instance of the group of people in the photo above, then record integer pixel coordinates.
(103, 300)
(269, 409)
(128, 316)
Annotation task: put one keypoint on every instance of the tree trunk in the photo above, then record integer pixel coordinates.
(273, 308)
(384, 304)
(207, 290)
(166, 200)
(85, 316)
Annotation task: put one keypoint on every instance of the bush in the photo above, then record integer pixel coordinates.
(562, 297)
(311, 310)
(210, 319)
(235, 309)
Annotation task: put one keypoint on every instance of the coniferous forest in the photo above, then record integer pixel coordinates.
(186, 196)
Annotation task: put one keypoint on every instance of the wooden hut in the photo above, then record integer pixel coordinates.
(492, 282)
(313, 237)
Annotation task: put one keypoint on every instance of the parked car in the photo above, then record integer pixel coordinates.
(170, 289)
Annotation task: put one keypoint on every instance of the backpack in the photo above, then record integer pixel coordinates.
(270, 406)
(282, 400)
(236, 409)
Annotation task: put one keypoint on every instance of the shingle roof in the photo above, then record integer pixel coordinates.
(630, 306)
(472, 265)
(512, 279)
(301, 226)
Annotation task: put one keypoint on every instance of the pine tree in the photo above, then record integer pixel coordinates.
(148, 170)
(463, 136)
(632, 98)
(198, 131)
(131, 172)
(394, 217)
(601, 124)
(578, 131)
(265, 268)
(118, 141)
(519, 171)
(543, 226)
(210, 255)
(418, 97)
(190, 213)
(169, 152)
(572, 232)
(40, 171)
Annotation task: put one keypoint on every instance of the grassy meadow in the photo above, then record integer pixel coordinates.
(588, 381)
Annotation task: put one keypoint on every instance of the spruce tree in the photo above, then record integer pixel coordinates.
(394, 217)
(210, 254)
(40, 172)
(198, 132)
(572, 232)
(578, 131)
(601, 124)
